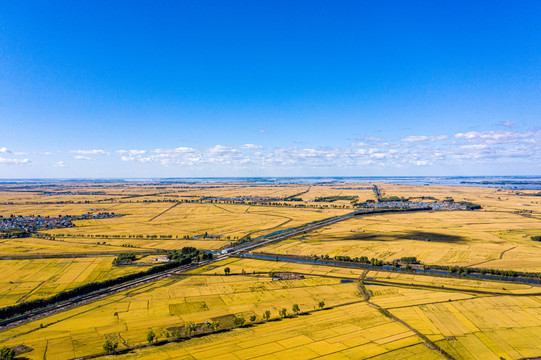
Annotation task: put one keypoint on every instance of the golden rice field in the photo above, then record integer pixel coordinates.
(444, 282)
(24, 280)
(466, 238)
(232, 190)
(349, 332)
(174, 302)
(196, 219)
(225, 220)
(233, 221)
(37, 246)
(478, 328)
(362, 191)
(499, 200)
(138, 192)
(464, 324)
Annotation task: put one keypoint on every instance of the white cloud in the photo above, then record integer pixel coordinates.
(418, 138)
(225, 155)
(373, 138)
(179, 150)
(79, 157)
(495, 137)
(59, 164)
(378, 155)
(132, 152)
(418, 151)
(251, 146)
(90, 152)
(474, 146)
(4, 150)
(177, 156)
(4, 161)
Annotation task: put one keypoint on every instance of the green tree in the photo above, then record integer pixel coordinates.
(110, 346)
(252, 318)
(151, 336)
(283, 312)
(215, 325)
(321, 304)
(266, 315)
(6, 353)
(239, 321)
(296, 309)
(227, 271)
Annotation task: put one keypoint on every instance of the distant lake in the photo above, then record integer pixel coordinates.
(501, 182)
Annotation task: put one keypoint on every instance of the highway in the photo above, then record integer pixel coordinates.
(291, 233)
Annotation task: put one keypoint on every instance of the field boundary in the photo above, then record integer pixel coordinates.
(163, 212)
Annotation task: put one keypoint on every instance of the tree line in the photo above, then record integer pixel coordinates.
(141, 236)
(351, 198)
(191, 329)
(459, 270)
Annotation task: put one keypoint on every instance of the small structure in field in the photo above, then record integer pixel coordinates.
(161, 259)
(286, 276)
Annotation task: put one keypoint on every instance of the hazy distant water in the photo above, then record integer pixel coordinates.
(503, 182)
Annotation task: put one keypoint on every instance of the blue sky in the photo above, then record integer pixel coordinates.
(269, 88)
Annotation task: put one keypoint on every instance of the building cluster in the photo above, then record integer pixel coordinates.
(160, 259)
(33, 223)
(435, 205)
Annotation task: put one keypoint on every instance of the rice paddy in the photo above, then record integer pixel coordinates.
(487, 238)
(386, 316)
(24, 280)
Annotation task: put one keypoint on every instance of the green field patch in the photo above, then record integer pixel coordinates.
(225, 321)
(188, 307)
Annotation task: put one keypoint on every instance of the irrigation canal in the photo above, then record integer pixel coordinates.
(354, 265)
